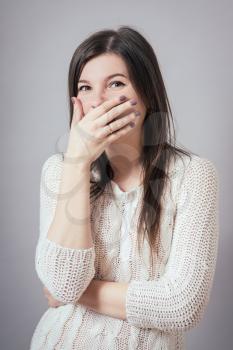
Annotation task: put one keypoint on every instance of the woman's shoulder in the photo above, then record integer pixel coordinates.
(53, 160)
(181, 166)
(51, 172)
(52, 165)
(193, 170)
(185, 163)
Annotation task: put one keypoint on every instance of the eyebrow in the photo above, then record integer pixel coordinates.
(109, 77)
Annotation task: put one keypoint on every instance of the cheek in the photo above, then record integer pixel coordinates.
(143, 108)
(86, 105)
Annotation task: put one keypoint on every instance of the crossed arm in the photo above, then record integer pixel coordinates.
(108, 298)
(177, 300)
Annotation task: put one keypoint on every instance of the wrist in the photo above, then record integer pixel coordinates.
(88, 296)
(77, 161)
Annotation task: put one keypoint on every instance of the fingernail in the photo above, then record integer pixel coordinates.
(133, 102)
(137, 113)
(122, 98)
(73, 100)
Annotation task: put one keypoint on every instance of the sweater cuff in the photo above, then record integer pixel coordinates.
(66, 272)
(141, 304)
(134, 308)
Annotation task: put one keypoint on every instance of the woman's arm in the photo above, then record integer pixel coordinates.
(65, 253)
(176, 301)
(71, 226)
(106, 298)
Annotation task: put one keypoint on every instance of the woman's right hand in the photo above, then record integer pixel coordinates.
(90, 134)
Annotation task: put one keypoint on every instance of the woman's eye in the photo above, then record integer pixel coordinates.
(117, 82)
(86, 86)
(82, 87)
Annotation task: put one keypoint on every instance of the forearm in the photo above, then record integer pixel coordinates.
(106, 298)
(65, 254)
(71, 223)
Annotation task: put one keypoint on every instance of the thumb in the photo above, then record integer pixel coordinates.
(77, 110)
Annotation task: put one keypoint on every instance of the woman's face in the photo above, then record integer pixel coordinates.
(96, 86)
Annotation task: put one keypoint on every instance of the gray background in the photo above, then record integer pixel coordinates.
(193, 43)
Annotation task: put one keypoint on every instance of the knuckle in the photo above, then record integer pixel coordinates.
(104, 107)
(118, 124)
(109, 116)
(93, 125)
(98, 136)
(111, 130)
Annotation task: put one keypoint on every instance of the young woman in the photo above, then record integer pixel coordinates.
(128, 221)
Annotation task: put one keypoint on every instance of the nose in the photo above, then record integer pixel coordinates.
(98, 99)
(96, 103)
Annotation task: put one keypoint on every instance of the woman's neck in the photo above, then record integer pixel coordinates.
(125, 155)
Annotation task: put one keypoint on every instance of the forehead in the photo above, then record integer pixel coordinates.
(102, 66)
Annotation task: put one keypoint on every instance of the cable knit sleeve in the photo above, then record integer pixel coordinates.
(66, 272)
(177, 300)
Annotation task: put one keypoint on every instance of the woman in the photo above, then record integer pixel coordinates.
(128, 221)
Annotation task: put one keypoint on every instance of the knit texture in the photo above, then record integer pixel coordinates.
(161, 303)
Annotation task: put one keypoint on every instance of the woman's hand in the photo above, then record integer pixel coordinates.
(90, 134)
(51, 301)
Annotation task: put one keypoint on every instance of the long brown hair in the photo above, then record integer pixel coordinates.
(159, 143)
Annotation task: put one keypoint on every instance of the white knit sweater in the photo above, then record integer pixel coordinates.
(161, 306)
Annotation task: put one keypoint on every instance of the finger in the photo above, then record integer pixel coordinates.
(105, 107)
(55, 303)
(45, 290)
(77, 110)
(124, 108)
(51, 301)
(119, 133)
(117, 125)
